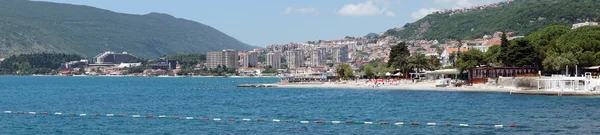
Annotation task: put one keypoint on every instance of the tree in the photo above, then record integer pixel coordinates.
(369, 71)
(434, 63)
(519, 54)
(470, 59)
(587, 59)
(186, 60)
(558, 62)
(399, 57)
(545, 40)
(344, 71)
(418, 62)
(452, 59)
(270, 70)
(81, 70)
(504, 48)
(492, 55)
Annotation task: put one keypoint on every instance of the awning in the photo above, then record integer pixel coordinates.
(594, 67)
(443, 72)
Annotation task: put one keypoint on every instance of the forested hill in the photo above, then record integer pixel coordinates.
(36, 27)
(522, 17)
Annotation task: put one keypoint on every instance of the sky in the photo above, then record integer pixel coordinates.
(267, 22)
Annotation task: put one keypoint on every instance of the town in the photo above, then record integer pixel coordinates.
(311, 59)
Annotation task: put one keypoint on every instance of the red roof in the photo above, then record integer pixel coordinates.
(493, 42)
(451, 50)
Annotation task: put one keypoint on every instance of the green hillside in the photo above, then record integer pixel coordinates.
(522, 17)
(36, 27)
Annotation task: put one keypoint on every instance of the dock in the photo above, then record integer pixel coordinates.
(257, 85)
(556, 93)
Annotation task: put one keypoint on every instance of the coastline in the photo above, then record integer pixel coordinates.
(413, 87)
(146, 76)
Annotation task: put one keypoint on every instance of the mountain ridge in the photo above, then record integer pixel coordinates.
(37, 27)
(521, 16)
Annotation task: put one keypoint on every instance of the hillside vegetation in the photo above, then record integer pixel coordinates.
(36, 27)
(522, 17)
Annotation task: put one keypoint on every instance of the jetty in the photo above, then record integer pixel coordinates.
(560, 85)
(257, 85)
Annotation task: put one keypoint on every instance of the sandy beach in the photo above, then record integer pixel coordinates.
(425, 86)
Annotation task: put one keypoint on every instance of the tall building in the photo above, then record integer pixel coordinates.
(230, 58)
(274, 60)
(250, 59)
(214, 59)
(318, 57)
(340, 54)
(294, 59)
(227, 58)
(114, 58)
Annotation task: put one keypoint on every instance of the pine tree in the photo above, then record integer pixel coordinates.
(503, 48)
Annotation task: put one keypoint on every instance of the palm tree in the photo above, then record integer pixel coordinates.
(418, 62)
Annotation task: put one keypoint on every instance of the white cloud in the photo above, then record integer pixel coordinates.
(291, 10)
(390, 14)
(369, 8)
(288, 10)
(423, 12)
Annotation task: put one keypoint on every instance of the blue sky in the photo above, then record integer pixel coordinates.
(266, 22)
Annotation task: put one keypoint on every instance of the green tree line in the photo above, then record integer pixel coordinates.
(41, 63)
(550, 50)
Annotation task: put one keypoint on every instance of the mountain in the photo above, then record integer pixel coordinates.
(36, 27)
(521, 16)
(372, 35)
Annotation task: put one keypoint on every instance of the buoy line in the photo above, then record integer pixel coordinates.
(234, 119)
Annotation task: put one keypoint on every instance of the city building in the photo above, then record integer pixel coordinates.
(114, 58)
(446, 60)
(250, 59)
(227, 58)
(129, 65)
(274, 60)
(294, 59)
(318, 57)
(214, 59)
(75, 64)
(164, 64)
(577, 25)
(340, 54)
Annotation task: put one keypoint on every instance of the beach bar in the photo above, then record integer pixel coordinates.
(480, 75)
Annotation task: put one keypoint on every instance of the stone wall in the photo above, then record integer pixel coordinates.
(518, 82)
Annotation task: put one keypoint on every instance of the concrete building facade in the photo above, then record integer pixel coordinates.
(114, 58)
(227, 58)
(294, 59)
(340, 54)
(274, 60)
(250, 59)
(318, 57)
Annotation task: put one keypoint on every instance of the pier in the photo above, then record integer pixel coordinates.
(560, 85)
(556, 93)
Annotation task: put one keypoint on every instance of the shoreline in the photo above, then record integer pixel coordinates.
(408, 87)
(141, 76)
(424, 86)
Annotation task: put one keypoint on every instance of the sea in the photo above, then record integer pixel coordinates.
(297, 110)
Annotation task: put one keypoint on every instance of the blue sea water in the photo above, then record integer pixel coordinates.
(218, 98)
